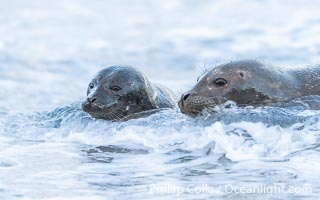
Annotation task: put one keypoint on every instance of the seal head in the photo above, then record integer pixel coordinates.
(245, 82)
(117, 92)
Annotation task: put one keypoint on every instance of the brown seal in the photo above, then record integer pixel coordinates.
(249, 82)
(120, 93)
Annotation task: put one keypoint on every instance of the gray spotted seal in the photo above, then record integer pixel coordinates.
(120, 93)
(249, 82)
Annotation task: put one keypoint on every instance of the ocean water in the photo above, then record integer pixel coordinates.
(50, 149)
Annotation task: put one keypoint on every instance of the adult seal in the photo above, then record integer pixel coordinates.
(120, 93)
(249, 82)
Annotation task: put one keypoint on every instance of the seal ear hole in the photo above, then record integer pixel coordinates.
(241, 74)
(220, 81)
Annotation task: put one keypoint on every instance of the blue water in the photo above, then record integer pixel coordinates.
(50, 149)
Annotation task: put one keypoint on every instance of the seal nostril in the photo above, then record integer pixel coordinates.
(185, 97)
(91, 100)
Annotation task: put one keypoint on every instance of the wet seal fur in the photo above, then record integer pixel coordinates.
(120, 93)
(249, 82)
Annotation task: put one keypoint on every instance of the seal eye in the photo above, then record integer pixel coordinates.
(91, 85)
(220, 81)
(115, 88)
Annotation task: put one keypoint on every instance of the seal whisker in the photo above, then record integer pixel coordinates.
(110, 116)
(208, 110)
(120, 114)
(212, 109)
(115, 117)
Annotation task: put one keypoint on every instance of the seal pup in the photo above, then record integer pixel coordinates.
(249, 82)
(119, 93)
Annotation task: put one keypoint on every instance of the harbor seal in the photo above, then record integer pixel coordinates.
(249, 82)
(120, 93)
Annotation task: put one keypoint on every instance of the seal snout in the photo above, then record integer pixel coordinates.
(92, 99)
(184, 97)
(92, 105)
(183, 100)
(188, 104)
(193, 104)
